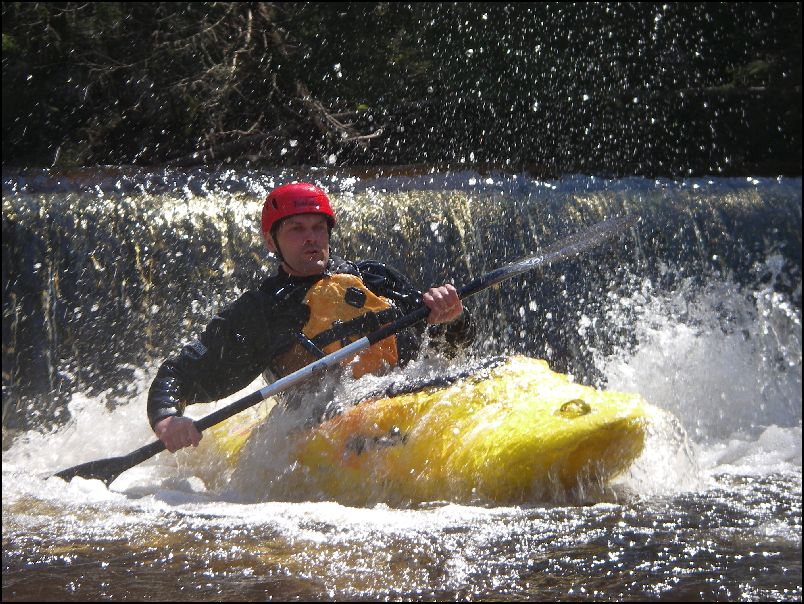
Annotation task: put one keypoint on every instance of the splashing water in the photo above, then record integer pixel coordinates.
(711, 510)
(726, 361)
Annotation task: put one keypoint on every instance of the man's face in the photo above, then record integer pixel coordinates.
(304, 243)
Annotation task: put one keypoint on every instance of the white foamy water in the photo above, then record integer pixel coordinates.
(726, 362)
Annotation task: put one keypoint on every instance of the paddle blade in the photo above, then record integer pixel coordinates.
(107, 470)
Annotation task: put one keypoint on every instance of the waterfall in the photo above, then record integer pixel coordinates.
(108, 271)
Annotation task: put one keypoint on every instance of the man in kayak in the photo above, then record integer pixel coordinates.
(314, 305)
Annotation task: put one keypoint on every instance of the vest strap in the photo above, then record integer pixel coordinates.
(342, 330)
(310, 346)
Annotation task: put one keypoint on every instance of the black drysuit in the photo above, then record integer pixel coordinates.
(251, 336)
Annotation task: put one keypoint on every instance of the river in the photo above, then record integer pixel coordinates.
(698, 308)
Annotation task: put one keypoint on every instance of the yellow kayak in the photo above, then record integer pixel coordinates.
(517, 433)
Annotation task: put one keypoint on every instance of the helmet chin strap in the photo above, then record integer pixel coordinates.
(282, 258)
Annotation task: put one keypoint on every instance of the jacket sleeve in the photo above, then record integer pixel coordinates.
(226, 357)
(386, 281)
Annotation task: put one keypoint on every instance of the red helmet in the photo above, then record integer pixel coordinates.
(292, 199)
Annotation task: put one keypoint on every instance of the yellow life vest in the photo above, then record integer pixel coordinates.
(343, 309)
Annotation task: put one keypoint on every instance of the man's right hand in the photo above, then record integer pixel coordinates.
(444, 304)
(177, 432)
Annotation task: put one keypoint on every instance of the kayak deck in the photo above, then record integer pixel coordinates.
(516, 433)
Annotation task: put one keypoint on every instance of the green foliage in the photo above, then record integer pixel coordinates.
(646, 88)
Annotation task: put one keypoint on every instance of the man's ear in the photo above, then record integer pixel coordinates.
(270, 243)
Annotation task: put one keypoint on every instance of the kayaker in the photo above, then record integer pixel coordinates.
(313, 305)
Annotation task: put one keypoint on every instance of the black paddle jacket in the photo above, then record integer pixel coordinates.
(249, 336)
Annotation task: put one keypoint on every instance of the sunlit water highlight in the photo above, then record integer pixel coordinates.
(712, 509)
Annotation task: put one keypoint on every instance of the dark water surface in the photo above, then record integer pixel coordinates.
(736, 539)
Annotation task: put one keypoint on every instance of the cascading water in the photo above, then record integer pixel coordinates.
(698, 308)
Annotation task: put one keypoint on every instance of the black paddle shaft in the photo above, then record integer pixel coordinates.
(109, 469)
(567, 247)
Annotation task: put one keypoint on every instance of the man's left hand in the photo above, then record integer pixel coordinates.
(444, 304)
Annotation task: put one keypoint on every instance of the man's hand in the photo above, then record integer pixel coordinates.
(444, 304)
(177, 432)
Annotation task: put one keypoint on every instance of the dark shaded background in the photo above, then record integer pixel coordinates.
(599, 88)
